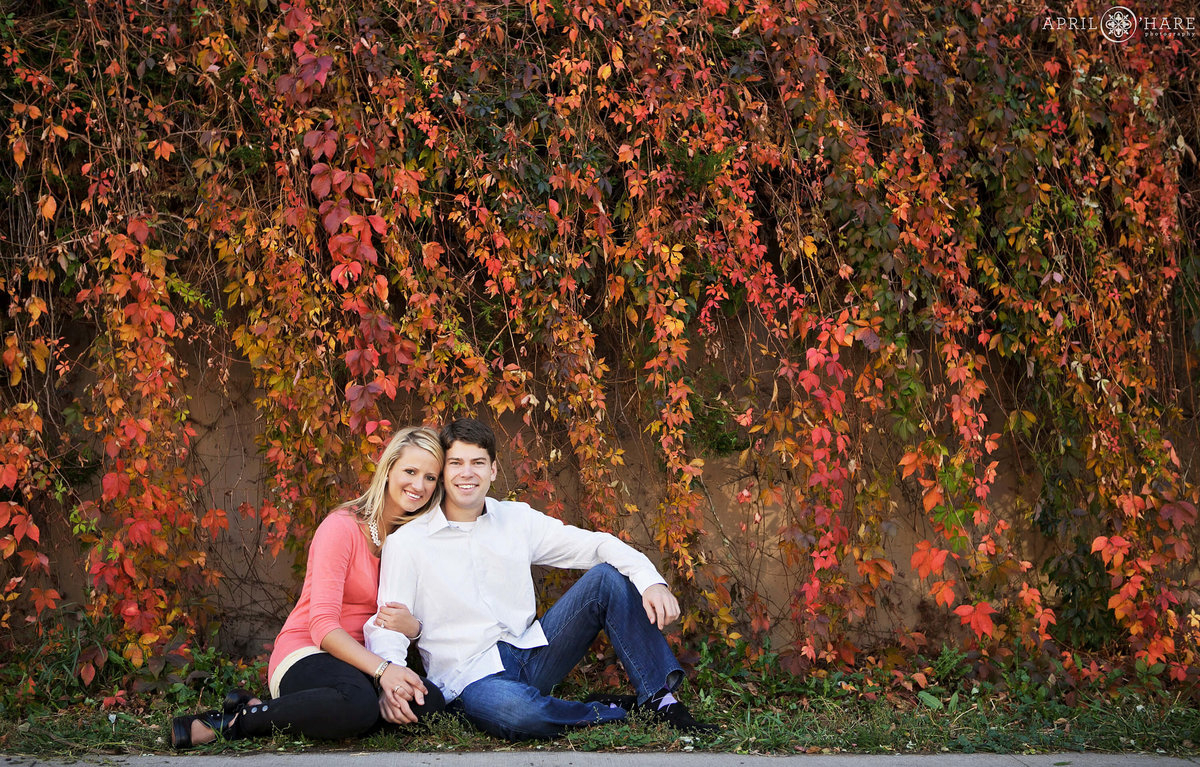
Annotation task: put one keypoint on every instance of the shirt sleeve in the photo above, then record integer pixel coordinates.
(328, 567)
(561, 545)
(397, 583)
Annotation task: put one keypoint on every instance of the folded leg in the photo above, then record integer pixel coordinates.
(513, 710)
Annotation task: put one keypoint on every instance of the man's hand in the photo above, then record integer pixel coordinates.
(396, 714)
(399, 685)
(661, 606)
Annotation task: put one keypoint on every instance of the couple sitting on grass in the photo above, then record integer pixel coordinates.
(402, 563)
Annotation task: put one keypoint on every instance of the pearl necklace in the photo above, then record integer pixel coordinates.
(373, 528)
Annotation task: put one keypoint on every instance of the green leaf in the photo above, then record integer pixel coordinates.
(930, 701)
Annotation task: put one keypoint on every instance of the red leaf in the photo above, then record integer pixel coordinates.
(335, 214)
(321, 180)
(1179, 514)
(8, 475)
(978, 617)
(137, 229)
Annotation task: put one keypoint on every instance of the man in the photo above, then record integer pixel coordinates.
(464, 569)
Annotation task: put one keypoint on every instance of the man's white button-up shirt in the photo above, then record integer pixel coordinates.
(473, 588)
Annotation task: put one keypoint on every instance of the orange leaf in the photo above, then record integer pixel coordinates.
(47, 206)
(943, 592)
(932, 498)
(927, 560)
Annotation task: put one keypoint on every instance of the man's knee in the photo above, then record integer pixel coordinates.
(607, 579)
(434, 701)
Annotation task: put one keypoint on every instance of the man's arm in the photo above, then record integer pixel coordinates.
(560, 545)
(397, 583)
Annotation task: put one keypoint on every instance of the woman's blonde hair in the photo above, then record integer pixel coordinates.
(369, 506)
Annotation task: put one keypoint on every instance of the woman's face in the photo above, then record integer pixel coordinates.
(412, 480)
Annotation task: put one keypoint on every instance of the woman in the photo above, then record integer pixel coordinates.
(324, 682)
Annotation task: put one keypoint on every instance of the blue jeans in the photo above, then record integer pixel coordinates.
(515, 704)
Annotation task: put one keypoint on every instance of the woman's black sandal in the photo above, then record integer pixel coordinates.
(224, 724)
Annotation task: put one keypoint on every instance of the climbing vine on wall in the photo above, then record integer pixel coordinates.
(947, 238)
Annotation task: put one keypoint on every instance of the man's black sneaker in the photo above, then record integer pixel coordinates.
(677, 717)
(627, 702)
(674, 715)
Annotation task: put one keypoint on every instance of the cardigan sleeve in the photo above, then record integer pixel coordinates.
(329, 565)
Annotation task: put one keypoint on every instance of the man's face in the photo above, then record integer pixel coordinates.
(468, 475)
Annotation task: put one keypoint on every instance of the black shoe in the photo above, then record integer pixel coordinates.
(677, 717)
(224, 724)
(235, 700)
(627, 702)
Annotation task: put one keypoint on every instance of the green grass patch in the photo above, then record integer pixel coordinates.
(761, 709)
(786, 724)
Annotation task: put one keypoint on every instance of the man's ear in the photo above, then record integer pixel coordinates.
(495, 469)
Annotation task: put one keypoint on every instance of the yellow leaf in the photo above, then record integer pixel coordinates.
(809, 246)
(36, 306)
(41, 355)
(48, 206)
(604, 72)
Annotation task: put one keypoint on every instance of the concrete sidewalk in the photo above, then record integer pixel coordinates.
(605, 758)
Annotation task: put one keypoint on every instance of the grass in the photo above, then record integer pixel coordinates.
(761, 710)
(784, 725)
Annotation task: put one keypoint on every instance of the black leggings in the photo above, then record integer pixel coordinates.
(323, 697)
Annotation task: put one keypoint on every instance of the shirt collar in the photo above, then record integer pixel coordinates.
(436, 520)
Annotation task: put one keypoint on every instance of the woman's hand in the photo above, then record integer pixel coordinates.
(397, 617)
(399, 685)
